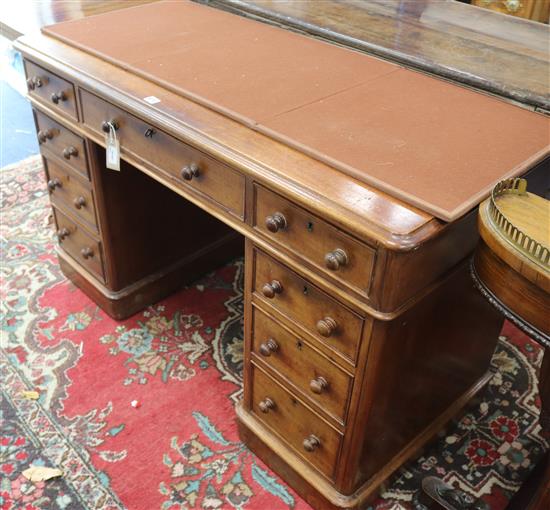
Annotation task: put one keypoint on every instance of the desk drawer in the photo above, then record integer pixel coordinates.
(312, 373)
(323, 317)
(192, 168)
(70, 193)
(49, 88)
(287, 416)
(61, 142)
(335, 253)
(79, 244)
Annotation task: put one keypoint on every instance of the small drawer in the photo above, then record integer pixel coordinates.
(49, 88)
(79, 244)
(69, 193)
(191, 168)
(61, 142)
(312, 373)
(326, 319)
(312, 438)
(335, 253)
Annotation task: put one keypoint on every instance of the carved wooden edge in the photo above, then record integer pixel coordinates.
(524, 243)
(534, 333)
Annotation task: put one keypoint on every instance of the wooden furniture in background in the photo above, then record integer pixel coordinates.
(536, 10)
(502, 55)
(478, 47)
(511, 268)
(356, 352)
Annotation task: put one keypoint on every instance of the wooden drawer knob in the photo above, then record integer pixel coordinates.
(36, 82)
(327, 326)
(266, 405)
(269, 290)
(62, 233)
(334, 260)
(190, 171)
(70, 151)
(311, 443)
(275, 222)
(318, 385)
(54, 183)
(45, 135)
(87, 252)
(79, 202)
(268, 347)
(58, 96)
(105, 125)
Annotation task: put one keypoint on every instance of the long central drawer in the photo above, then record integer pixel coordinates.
(192, 169)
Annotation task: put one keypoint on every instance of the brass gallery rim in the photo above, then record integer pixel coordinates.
(530, 247)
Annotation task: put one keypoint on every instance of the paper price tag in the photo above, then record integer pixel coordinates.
(113, 155)
(112, 149)
(151, 100)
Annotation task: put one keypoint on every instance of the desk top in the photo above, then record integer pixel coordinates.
(425, 141)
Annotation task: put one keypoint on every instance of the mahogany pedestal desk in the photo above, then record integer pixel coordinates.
(363, 332)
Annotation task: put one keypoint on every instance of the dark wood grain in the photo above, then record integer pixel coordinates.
(502, 55)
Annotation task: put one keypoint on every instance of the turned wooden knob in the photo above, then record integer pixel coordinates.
(318, 385)
(79, 202)
(58, 96)
(275, 222)
(327, 326)
(311, 443)
(266, 405)
(105, 125)
(336, 259)
(190, 171)
(62, 233)
(36, 82)
(70, 151)
(54, 183)
(87, 252)
(45, 134)
(268, 347)
(270, 289)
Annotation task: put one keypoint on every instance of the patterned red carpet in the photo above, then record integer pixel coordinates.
(181, 361)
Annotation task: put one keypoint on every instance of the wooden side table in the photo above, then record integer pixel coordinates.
(511, 268)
